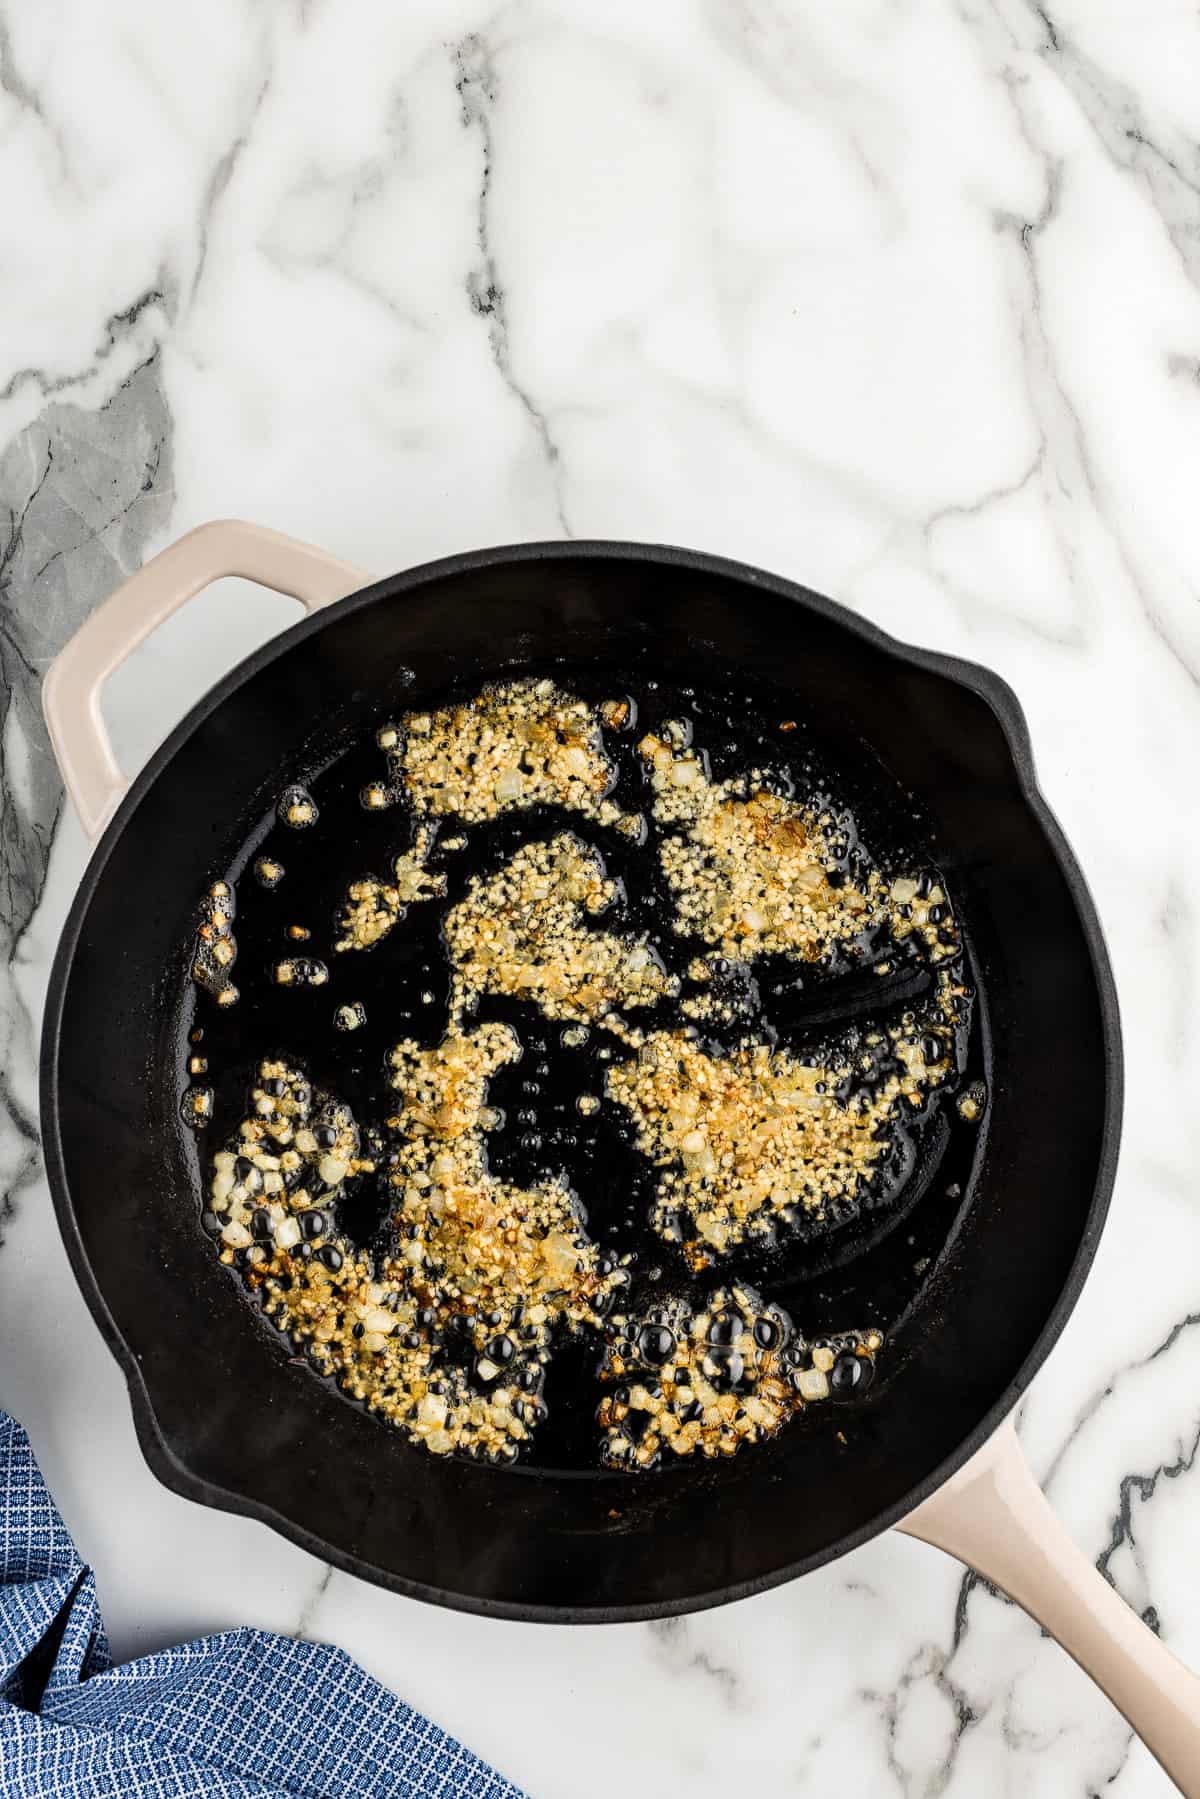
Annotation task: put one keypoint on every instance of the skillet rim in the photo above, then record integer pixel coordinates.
(1002, 702)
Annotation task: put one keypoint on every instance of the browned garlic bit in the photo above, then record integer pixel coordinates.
(372, 906)
(748, 873)
(521, 932)
(297, 808)
(745, 1138)
(477, 1258)
(972, 1102)
(300, 971)
(728, 994)
(350, 1017)
(524, 743)
(293, 1151)
(216, 947)
(271, 1190)
(197, 1106)
(919, 908)
(486, 1246)
(444, 1093)
(714, 1006)
(705, 1383)
(268, 872)
(496, 1264)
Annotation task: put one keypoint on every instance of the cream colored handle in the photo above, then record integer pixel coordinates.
(73, 683)
(993, 1515)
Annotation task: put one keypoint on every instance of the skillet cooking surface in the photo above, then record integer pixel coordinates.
(820, 1269)
(222, 1414)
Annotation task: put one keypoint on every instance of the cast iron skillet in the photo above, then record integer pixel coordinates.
(221, 1414)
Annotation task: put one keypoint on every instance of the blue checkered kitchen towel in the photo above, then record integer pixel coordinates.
(243, 1715)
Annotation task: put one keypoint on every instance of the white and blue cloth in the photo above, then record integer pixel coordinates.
(242, 1715)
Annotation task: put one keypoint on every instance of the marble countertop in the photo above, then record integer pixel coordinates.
(897, 297)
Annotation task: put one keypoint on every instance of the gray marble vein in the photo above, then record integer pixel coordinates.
(933, 1665)
(1138, 1490)
(115, 332)
(477, 83)
(1108, 108)
(1087, 1414)
(676, 1647)
(222, 174)
(1164, 161)
(311, 1606)
(24, 92)
(82, 492)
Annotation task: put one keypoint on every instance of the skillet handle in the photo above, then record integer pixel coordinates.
(993, 1515)
(71, 689)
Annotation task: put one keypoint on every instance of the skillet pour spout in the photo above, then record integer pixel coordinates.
(226, 1419)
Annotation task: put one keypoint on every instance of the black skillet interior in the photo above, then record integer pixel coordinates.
(224, 1417)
